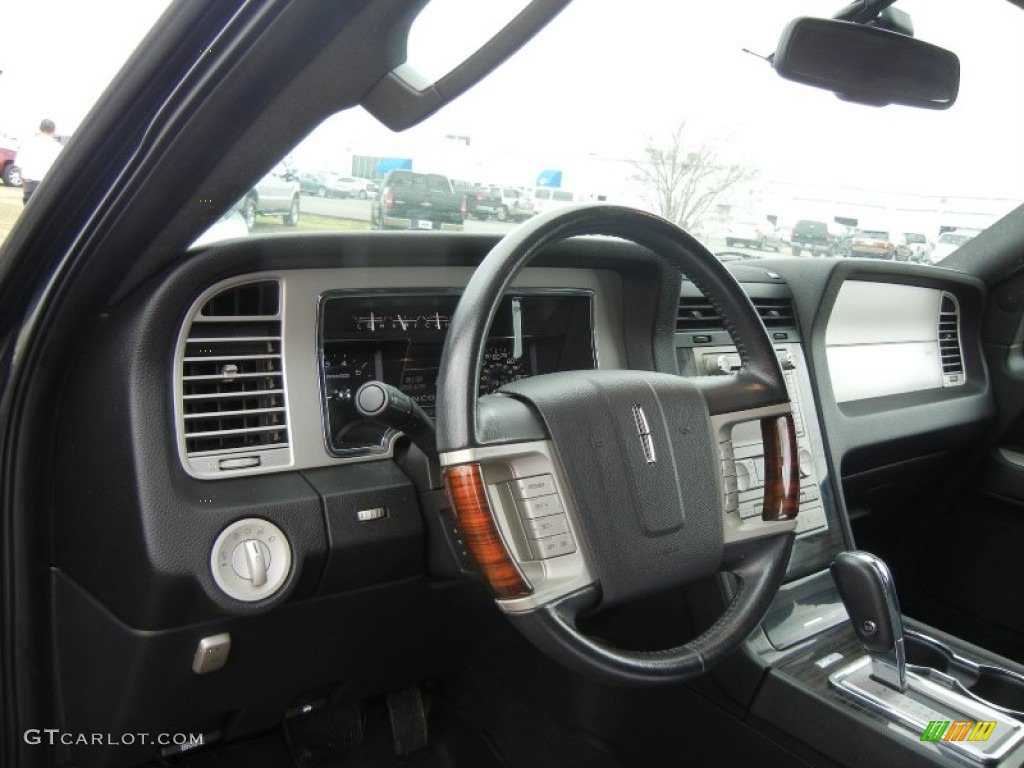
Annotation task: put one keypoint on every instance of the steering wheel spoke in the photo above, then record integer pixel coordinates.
(778, 473)
(518, 521)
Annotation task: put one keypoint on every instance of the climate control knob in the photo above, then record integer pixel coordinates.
(720, 365)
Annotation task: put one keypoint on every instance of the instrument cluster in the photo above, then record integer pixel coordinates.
(398, 339)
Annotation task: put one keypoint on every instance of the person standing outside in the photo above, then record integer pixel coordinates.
(36, 156)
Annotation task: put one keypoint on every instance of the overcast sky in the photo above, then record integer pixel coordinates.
(59, 55)
(603, 80)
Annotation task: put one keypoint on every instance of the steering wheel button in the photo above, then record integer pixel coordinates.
(759, 467)
(743, 476)
(731, 501)
(531, 487)
(553, 546)
(546, 526)
(542, 506)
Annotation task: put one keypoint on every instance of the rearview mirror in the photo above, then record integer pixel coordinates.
(867, 65)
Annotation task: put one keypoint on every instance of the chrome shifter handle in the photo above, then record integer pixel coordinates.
(866, 587)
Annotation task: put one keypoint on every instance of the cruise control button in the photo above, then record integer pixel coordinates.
(744, 471)
(553, 546)
(531, 487)
(542, 506)
(546, 526)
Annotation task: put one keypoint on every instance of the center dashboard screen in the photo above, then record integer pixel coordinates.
(398, 338)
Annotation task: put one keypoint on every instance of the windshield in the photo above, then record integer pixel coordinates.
(680, 121)
(714, 140)
(949, 239)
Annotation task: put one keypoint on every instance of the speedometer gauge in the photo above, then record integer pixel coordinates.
(499, 368)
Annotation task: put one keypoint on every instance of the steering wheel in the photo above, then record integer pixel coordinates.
(584, 489)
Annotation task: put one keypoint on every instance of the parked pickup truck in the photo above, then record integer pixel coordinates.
(816, 237)
(409, 200)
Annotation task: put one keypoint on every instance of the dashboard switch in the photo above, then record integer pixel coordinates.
(375, 513)
(211, 653)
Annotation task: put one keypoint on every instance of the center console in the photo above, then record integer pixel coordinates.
(836, 669)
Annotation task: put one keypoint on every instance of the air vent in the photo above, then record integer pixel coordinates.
(233, 408)
(697, 314)
(950, 352)
(775, 313)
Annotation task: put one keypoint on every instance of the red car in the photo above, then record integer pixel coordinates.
(8, 171)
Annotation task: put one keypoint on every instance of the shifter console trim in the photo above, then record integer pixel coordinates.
(924, 702)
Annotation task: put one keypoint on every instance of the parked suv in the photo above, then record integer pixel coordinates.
(276, 194)
(914, 246)
(873, 244)
(505, 203)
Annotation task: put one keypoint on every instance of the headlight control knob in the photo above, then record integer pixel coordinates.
(251, 559)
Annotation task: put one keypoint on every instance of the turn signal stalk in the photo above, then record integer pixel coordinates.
(472, 513)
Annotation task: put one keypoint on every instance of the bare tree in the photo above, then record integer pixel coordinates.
(685, 180)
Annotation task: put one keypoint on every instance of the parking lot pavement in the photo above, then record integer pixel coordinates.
(339, 208)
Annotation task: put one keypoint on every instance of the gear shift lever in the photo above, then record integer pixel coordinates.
(868, 592)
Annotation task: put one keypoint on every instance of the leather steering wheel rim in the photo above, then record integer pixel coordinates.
(758, 562)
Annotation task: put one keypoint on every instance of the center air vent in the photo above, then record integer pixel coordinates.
(233, 411)
(698, 314)
(950, 352)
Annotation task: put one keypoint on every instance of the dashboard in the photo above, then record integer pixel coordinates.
(906, 336)
(230, 410)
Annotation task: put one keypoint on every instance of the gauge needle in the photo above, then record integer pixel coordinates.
(517, 328)
(401, 322)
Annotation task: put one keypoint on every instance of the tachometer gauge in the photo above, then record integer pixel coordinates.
(347, 369)
(499, 368)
